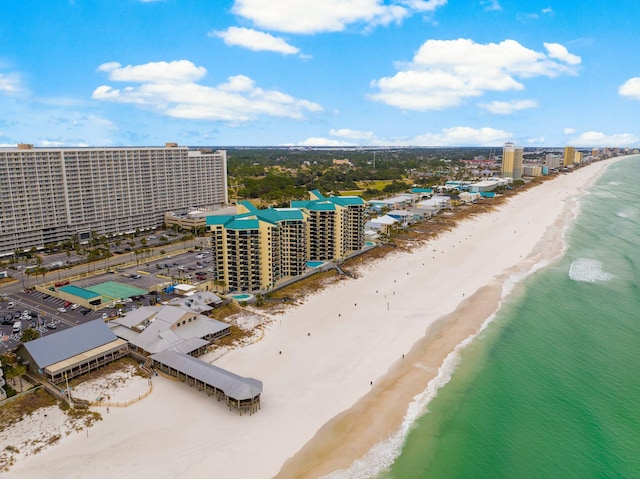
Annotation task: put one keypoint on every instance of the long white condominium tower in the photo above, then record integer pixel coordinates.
(48, 195)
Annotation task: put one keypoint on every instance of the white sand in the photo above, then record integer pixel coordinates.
(332, 346)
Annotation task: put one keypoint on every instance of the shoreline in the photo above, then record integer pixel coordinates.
(326, 456)
(341, 354)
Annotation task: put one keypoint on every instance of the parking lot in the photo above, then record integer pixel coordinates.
(49, 314)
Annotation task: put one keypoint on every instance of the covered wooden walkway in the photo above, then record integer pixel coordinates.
(238, 392)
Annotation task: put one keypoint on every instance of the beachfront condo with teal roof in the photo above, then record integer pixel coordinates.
(258, 249)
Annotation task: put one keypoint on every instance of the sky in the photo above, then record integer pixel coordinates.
(229, 73)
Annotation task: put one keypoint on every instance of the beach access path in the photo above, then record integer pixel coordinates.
(340, 352)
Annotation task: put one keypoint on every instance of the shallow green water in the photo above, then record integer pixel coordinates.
(552, 388)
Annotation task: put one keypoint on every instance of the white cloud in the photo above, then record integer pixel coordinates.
(303, 16)
(508, 107)
(425, 5)
(352, 134)
(10, 84)
(456, 136)
(491, 5)
(179, 71)
(536, 141)
(319, 141)
(599, 139)
(255, 40)
(560, 52)
(463, 136)
(236, 100)
(548, 11)
(569, 131)
(630, 88)
(445, 72)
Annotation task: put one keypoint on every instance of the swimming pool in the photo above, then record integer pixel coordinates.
(242, 297)
(314, 264)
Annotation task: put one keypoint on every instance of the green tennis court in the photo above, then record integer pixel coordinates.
(113, 290)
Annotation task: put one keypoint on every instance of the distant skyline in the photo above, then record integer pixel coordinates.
(320, 73)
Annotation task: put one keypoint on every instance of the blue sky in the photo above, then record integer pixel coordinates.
(320, 73)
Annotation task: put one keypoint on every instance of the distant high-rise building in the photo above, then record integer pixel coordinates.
(512, 157)
(577, 158)
(569, 155)
(49, 195)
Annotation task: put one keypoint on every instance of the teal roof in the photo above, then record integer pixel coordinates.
(290, 214)
(320, 206)
(79, 292)
(299, 203)
(347, 200)
(269, 215)
(317, 194)
(218, 220)
(248, 205)
(243, 224)
(421, 190)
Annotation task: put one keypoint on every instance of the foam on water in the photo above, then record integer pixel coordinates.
(622, 214)
(588, 271)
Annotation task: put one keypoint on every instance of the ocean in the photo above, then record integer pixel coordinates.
(551, 387)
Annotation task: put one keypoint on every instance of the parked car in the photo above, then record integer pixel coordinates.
(11, 304)
(67, 304)
(105, 316)
(62, 310)
(52, 326)
(74, 306)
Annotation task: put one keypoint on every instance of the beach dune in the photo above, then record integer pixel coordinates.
(340, 370)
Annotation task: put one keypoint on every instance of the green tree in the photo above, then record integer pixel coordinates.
(30, 334)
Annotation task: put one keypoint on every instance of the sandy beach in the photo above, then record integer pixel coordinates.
(340, 370)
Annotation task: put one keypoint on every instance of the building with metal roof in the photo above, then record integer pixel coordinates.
(238, 392)
(71, 352)
(258, 249)
(150, 329)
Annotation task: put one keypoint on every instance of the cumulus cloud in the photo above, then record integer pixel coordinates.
(630, 88)
(303, 16)
(599, 139)
(463, 136)
(455, 136)
(179, 71)
(508, 107)
(445, 72)
(170, 89)
(560, 52)
(255, 40)
(569, 131)
(320, 141)
(352, 134)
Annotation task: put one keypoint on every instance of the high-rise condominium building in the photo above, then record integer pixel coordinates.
(257, 249)
(512, 158)
(49, 195)
(569, 156)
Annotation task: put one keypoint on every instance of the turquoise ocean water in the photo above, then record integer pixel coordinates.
(551, 389)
